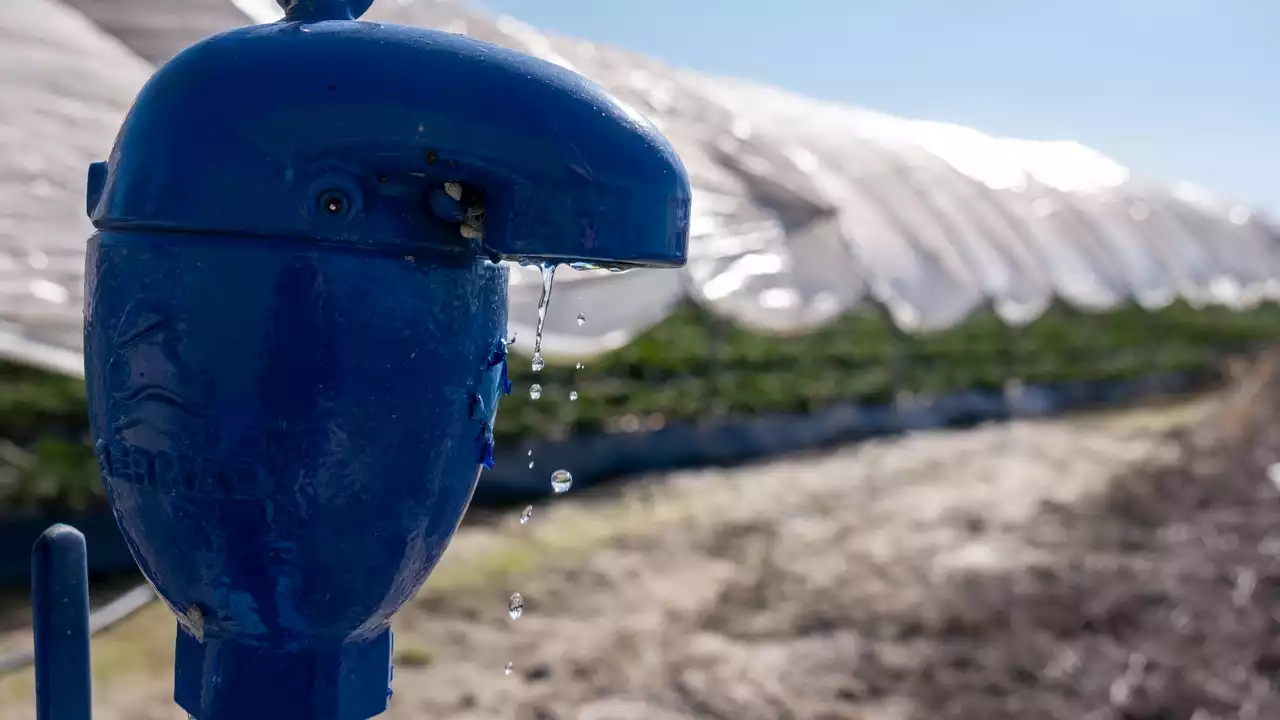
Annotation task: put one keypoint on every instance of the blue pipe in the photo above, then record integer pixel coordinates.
(60, 602)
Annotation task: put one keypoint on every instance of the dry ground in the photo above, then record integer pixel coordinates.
(1096, 567)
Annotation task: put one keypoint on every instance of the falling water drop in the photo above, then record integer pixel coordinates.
(515, 606)
(530, 464)
(524, 516)
(535, 391)
(579, 366)
(548, 277)
(561, 481)
(509, 669)
(581, 319)
(573, 395)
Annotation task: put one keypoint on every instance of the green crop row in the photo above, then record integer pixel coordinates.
(696, 367)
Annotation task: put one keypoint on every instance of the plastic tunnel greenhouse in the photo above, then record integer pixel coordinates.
(809, 218)
(840, 259)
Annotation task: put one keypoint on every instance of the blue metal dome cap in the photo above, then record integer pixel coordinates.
(294, 336)
(243, 132)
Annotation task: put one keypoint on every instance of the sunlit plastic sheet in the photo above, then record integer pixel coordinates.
(803, 210)
(615, 307)
(943, 216)
(65, 86)
(156, 31)
(765, 249)
(899, 245)
(985, 239)
(1203, 259)
(750, 267)
(1100, 189)
(762, 251)
(1046, 219)
(1063, 183)
(1248, 252)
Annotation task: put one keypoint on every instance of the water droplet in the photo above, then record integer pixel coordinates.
(530, 464)
(548, 278)
(524, 516)
(509, 669)
(561, 481)
(581, 319)
(573, 395)
(579, 366)
(515, 606)
(530, 453)
(535, 391)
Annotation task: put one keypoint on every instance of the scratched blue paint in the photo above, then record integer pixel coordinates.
(295, 359)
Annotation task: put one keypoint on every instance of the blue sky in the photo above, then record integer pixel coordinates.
(1176, 89)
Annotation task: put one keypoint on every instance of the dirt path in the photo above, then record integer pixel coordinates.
(988, 574)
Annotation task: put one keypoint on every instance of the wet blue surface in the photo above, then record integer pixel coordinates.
(287, 460)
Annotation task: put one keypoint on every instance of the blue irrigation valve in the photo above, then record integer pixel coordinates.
(294, 340)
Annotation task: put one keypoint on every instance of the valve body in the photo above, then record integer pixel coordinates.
(295, 320)
(287, 456)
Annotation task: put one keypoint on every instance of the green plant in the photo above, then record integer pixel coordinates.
(695, 367)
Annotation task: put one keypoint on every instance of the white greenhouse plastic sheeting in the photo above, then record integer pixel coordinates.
(65, 87)
(803, 210)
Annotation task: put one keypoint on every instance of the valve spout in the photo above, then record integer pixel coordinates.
(60, 608)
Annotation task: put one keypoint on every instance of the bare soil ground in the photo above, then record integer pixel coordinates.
(1099, 567)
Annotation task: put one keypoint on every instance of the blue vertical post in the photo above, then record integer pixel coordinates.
(60, 606)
